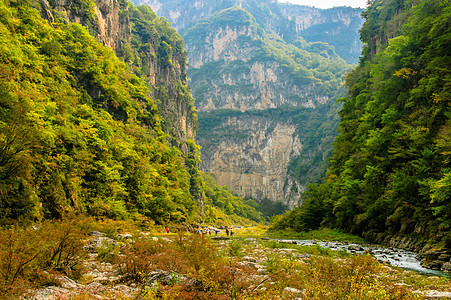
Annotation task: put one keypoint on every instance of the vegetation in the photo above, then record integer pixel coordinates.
(338, 27)
(306, 63)
(314, 127)
(27, 255)
(188, 266)
(78, 130)
(322, 234)
(313, 68)
(390, 169)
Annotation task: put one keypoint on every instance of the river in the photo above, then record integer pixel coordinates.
(393, 256)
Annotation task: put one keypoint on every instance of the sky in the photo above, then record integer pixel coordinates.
(329, 3)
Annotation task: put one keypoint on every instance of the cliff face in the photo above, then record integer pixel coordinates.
(278, 88)
(183, 14)
(337, 26)
(265, 95)
(224, 74)
(154, 52)
(115, 24)
(253, 156)
(102, 18)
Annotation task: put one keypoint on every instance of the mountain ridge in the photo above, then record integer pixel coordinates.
(247, 56)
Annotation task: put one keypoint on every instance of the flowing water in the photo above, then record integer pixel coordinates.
(393, 256)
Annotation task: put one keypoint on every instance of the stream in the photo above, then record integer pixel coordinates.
(393, 256)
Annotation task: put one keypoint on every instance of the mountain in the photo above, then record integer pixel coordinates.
(96, 117)
(389, 178)
(265, 96)
(337, 26)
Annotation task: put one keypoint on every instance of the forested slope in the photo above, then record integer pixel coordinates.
(84, 132)
(390, 172)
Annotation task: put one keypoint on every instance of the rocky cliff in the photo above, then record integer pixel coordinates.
(250, 56)
(161, 62)
(154, 52)
(266, 96)
(337, 26)
(251, 156)
(230, 68)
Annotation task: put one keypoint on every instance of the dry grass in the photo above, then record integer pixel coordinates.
(33, 257)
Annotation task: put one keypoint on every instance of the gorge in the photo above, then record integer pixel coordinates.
(101, 191)
(265, 77)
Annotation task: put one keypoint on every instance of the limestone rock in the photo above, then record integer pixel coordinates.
(289, 293)
(432, 294)
(446, 267)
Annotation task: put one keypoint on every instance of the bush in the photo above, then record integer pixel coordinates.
(26, 252)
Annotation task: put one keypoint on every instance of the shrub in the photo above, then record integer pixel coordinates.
(19, 251)
(63, 249)
(26, 252)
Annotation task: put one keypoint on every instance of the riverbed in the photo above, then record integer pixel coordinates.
(396, 257)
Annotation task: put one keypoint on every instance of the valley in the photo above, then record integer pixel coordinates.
(259, 65)
(132, 137)
(122, 263)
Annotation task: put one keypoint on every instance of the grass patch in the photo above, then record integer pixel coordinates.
(323, 234)
(313, 249)
(253, 231)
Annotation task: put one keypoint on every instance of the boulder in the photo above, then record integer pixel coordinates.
(290, 292)
(98, 242)
(165, 277)
(432, 294)
(122, 236)
(95, 287)
(446, 267)
(67, 283)
(96, 233)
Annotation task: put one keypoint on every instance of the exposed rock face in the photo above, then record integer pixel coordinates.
(112, 27)
(156, 55)
(240, 79)
(246, 57)
(106, 24)
(221, 44)
(233, 69)
(182, 15)
(337, 26)
(253, 161)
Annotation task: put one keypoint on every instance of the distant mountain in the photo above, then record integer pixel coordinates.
(266, 96)
(336, 26)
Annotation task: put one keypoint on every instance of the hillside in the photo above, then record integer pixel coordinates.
(265, 95)
(84, 132)
(389, 178)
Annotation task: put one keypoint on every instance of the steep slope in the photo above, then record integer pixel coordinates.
(237, 65)
(389, 178)
(337, 26)
(79, 133)
(245, 57)
(152, 48)
(82, 131)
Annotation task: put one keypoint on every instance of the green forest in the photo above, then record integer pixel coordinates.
(101, 195)
(390, 171)
(84, 132)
